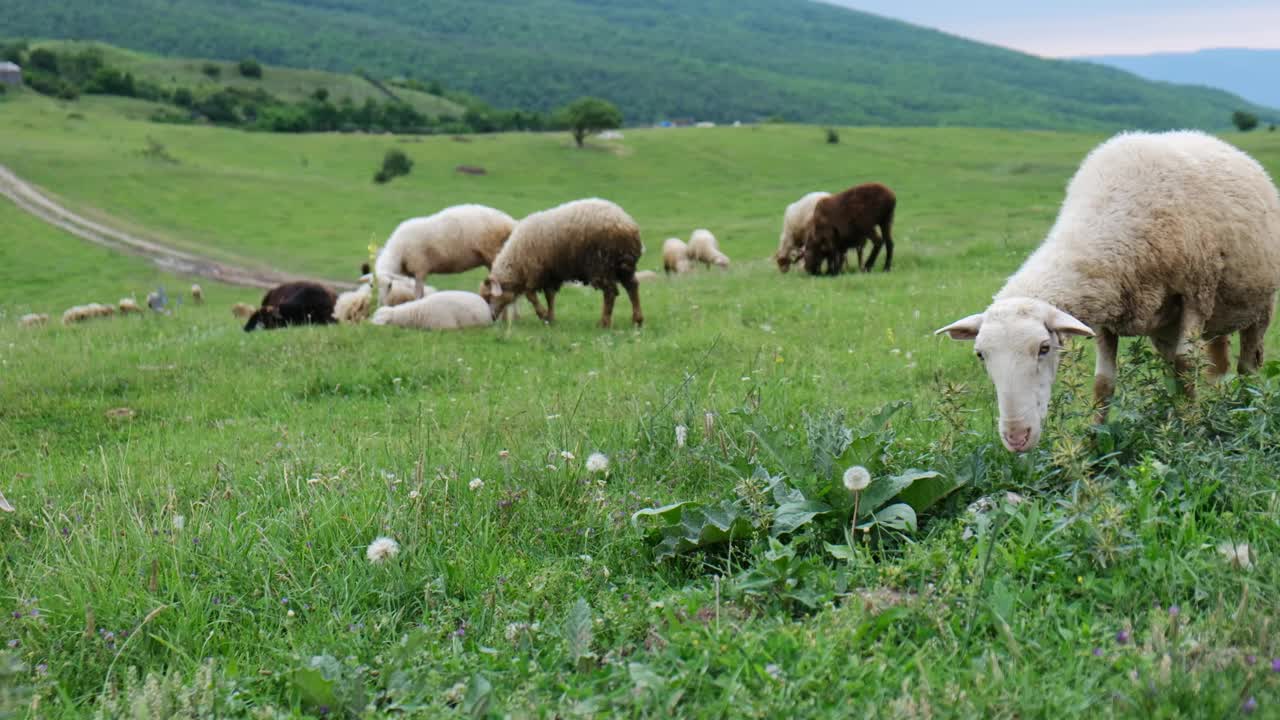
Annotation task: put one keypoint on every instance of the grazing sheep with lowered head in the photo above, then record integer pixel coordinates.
(128, 305)
(846, 221)
(703, 248)
(797, 223)
(675, 256)
(592, 241)
(447, 310)
(1173, 236)
(296, 303)
(453, 240)
(33, 320)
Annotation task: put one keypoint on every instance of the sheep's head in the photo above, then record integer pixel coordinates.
(784, 260)
(1018, 342)
(497, 296)
(268, 316)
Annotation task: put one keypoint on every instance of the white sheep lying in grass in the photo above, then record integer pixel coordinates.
(128, 305)
(446, 310)
(797, 222)
(353, 306)
(703, 248)
(453, 240)
(675, 256)
(646, 276)
(33, 320)
(1175, 236)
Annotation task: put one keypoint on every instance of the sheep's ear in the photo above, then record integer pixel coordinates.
(966, 329)
(364, 268)
(495, 288)
(1064, 324)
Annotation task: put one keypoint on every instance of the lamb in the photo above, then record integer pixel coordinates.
(453, 240)
(128, 305)
(846, 221)
(242, 310)
(197, 294)
(592, 241)
(295, 303)
(797, 222)
(80, 313)
(675, 256)
(448, 310)
(33, 320)
(1173, 236)
(353, 306)
(646, 276)
(703, 248)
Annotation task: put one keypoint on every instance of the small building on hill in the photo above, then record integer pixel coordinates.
(10, 74)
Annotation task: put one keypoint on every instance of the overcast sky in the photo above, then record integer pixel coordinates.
(1094, 27)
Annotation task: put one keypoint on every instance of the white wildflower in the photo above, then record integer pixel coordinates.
(179, 522)
(857, 479)
(456, 694)
(289, 613)
(682, 433)
(598, 463)
(515, 630)
(504, 454)
(383, 548)
(476, 484)
(414, 494)
(566, 455)
(1237, 555)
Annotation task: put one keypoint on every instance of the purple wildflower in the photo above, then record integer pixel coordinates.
(1122, 637)
(284, 601)
(1251, 660)
(13, 644)
(1275, 665)
(1097, 652)
(17, 614)
(1174, 611)
(1249, 706)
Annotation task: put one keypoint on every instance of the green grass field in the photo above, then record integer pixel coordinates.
(213, 538)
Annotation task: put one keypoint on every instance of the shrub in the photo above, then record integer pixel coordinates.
(44, 60)
(15, 52)
(211, 70)
(394, 164)
(182, 97)
(320, 94)
(250, 68)
(833, 137)
(1244, 121)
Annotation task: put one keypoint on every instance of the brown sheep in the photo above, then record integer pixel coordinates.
(590, 241)
(846, 221)
(296, 303)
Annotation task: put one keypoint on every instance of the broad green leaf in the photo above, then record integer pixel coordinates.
(644, 678)
(898, 516)
(666, 515)
(577, 630)
(926, 492)
(878, 420)
(884, 489)
(479, 691)
(840, 552)
(314, 687)
(795, 515)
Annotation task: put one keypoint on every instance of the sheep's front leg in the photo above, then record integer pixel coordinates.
(1251, 343)
(1178, 346)
(551, 306)
(419, 287)
(633, 294)
(606, 313)
(1104, 374)
(537, 306)
(859, 247)
(876, 242)
(1219, 357)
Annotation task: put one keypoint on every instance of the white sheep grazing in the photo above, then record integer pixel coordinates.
(447, 310)
(197, 294)
(128, 305)
(592, 241)
(703, 248)
(1175, 236)
(675, 256)
(453, 240)
(77, 313)
(33, 320)
(796, 224)
(353, 306)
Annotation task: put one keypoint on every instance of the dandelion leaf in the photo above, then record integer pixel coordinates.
(577, 630)
(795, 515)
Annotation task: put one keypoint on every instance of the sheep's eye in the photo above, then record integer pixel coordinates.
(981, 357)
(1044, 348)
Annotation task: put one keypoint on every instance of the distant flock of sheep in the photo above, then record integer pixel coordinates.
(1173, 236)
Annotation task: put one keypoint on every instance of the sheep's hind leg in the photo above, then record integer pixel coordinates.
(1251, 353)
(876, 243)
(633, 294)
(606, 312)
(551, 306)
(537, 306)
(1104, 375)
(1178, 346)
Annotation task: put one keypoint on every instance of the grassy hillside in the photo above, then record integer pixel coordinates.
(285, 83)
(719, 60)
(215, 536)
(1247, 73)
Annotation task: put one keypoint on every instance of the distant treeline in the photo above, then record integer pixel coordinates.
(69, 74)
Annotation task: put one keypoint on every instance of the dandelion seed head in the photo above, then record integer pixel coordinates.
(566, 455)
(682, 434)
(857, 479)
(179, 522)
(476, 484)
(598, 463)
(382, 549)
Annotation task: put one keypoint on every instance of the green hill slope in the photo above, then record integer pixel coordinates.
(716, 59)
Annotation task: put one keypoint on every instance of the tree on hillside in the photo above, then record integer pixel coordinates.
(1244, 121)
(590, 115)
(250, 68)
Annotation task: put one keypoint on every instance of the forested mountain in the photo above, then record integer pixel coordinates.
(1251, 74)
(710, 59)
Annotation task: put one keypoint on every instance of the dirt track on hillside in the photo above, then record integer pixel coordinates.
(35, 202)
